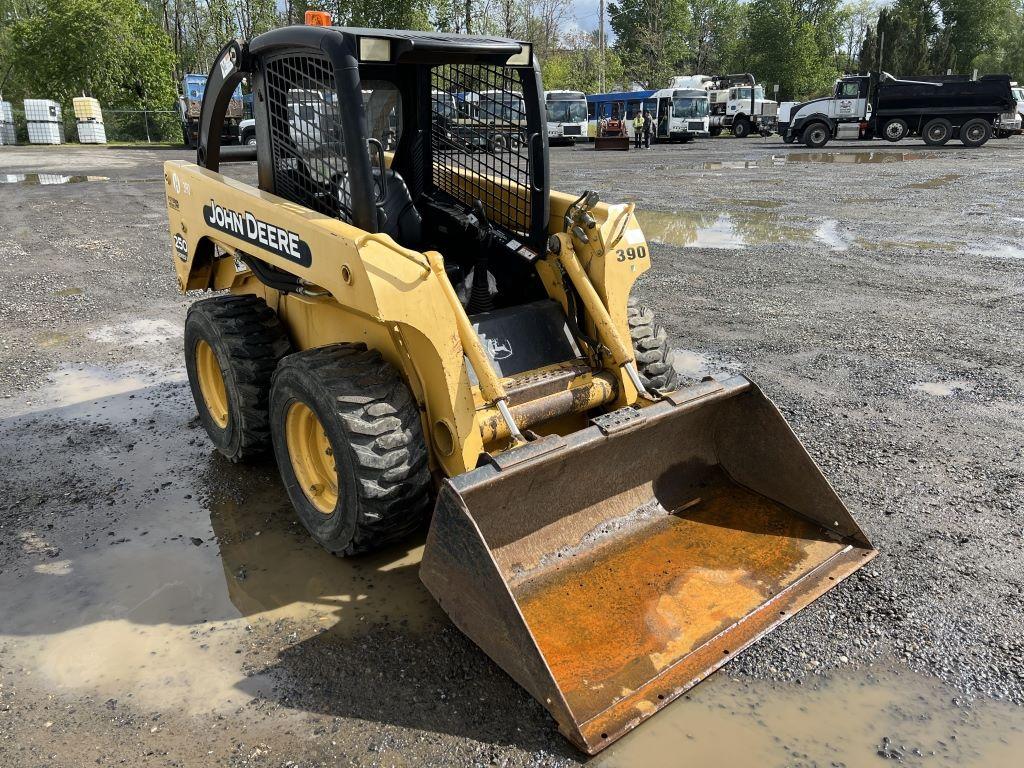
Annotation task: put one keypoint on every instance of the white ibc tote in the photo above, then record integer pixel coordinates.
(44, 120)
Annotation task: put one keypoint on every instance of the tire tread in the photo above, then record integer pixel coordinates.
(654, 357)
(382, 421)
(254, 340)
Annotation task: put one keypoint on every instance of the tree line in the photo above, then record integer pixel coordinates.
(131, 54)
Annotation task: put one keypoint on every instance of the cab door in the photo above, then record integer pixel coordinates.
(664, 117)
(850, 100)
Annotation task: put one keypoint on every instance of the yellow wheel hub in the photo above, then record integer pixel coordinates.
(312, 457)
(211, 383)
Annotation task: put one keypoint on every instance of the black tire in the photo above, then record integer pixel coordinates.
(249, 138)
(741, 128)
(895, 130)
(650, 345)
(372, 423)
(937, 132)
(247, 341)
(788, 138)
(975, 132)
(714, 132)
(499, 144)
(816, 135)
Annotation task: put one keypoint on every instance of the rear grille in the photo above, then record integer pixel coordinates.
(306, 138)
(482, 154)
(571, 130)
(696, 125)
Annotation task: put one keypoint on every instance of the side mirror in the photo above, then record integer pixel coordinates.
(380, 181)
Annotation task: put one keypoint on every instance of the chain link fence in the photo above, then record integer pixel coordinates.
(121, 125)
(134, 125)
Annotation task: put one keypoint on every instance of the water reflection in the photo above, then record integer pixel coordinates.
(44, 179)
(779, 161)
(714, 229)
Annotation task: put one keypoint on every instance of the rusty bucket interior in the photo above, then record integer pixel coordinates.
(611, 570)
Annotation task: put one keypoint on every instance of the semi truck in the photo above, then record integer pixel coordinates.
(190, 105)
(935, 108)
(735, 103)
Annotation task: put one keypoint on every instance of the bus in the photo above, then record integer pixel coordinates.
(566, 116)
(680, 114)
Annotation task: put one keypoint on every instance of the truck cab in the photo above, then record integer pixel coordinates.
(850, 102)
(1011, 122)
(841, 115)
(738, 103)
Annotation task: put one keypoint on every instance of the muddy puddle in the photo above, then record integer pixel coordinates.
(73, 384)
(857, 720)
(137, 333)
(45, 179)
(942, 388)
(696, 365)
(999, 251)
(748, 203)
(937, 183)
(736, 229)
(858, 158)
(715, 229)
(851, 158)
(175, 566)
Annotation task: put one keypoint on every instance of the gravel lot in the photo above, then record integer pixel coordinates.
(159, 606)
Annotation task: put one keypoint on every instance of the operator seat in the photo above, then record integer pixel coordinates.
(397, 215)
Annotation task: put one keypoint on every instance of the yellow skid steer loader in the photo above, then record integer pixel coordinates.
(422, 330)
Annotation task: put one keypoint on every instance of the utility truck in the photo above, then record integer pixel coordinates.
(735, 102)
(936, 108)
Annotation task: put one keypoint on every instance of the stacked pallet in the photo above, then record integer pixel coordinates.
(44, 121)
(7, 135)
(89, 117)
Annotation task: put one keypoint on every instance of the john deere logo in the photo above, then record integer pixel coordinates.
(499, 349)
(269, 237)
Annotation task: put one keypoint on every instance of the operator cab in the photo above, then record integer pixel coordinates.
(436, 140)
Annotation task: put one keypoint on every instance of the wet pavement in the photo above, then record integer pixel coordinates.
(161, 606)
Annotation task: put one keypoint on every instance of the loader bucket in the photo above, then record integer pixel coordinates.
(609, 571)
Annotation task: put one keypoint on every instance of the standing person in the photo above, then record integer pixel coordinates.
(638, 130)
(648, 128)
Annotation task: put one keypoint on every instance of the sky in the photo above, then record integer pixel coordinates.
(585, 14)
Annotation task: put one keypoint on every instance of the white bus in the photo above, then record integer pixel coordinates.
(566, 116)
(680, 114)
